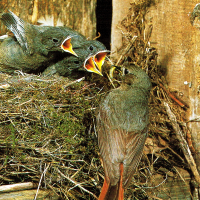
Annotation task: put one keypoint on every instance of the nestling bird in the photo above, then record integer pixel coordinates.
(30, 49)
(122, 125)
(91, 52)
(49, 37)
(34, 48)
(69, 65)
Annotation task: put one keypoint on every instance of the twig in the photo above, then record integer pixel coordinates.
(99, 35)
(17, 187)
(65, 105)
(194, 120)
(180, 175)
(173, 97)
(44, 172)
(175, 154)
(5, 86)
(154, 197)
(76, 81)
(192, 197)
(30, 100)
(189, 140)
(127, 48)
(76, 183)
(158, 184)
(183, 144)
(110, 80)
(78, 171)
(14, 125)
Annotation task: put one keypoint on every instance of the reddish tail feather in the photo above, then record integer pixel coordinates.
(115, 192)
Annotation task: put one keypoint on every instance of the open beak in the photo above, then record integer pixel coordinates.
(94, 63)
(67, 46)
(114, 69)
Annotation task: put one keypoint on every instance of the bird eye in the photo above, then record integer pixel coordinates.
(91, 48)
(55, 40)
(126, 71)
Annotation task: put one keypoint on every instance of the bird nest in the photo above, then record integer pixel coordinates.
(48, 133)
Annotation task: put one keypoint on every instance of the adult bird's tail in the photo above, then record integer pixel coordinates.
(115, 192)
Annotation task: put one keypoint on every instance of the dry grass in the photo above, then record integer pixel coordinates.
(49, 123)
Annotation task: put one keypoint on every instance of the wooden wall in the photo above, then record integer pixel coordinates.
(178, 45)
(120, 10)
(79, 15)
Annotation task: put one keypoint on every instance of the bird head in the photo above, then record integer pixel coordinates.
(94, 54)
(136, 76)
(56, 39)
(94, 62)
(132, 76)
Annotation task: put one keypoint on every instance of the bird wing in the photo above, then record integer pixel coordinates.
(134, 149)
(111, 147)
(122, 130)
(17, 27)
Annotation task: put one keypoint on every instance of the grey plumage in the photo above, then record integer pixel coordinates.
(122, 124)
(35, 48)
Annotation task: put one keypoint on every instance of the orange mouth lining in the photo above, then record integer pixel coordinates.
(67, 46)
(95, 62)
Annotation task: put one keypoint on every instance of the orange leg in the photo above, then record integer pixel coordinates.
(104, 190)
(121, 189)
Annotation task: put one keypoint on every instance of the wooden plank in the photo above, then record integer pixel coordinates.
(174, 187)
(79, 15)
(120, 11)
(29, 195)
(177, 42)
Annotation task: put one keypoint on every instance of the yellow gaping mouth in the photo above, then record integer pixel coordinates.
(94, 63)
(67, 46)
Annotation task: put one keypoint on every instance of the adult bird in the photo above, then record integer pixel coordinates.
(35, 47)
(122, 125)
